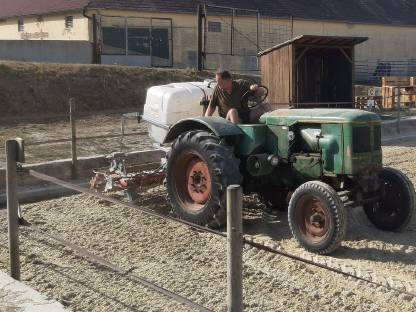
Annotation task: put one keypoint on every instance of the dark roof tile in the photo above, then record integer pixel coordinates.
(354, 11)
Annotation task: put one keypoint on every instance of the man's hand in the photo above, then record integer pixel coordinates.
(254, 88)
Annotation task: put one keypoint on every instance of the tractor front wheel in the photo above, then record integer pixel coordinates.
(199, 170)
(317, 217)
(394, 210)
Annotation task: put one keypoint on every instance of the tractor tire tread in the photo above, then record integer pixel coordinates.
(412, 198)
(225, 171)
(337, 209)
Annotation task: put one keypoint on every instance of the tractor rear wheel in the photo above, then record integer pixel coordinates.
(317, 217)
(199, 170)
(397, 205)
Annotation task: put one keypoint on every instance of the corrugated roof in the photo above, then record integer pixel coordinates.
(319, 41)
(354, 11)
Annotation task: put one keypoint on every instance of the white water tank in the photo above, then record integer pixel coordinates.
(167, 104)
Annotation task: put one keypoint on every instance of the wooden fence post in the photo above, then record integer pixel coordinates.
(13, 154)
(72, 120)
(234, 249)
(397, 98)
(123, 126)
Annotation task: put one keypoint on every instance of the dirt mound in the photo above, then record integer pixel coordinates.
(28, 89)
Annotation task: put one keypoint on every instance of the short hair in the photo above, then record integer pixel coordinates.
(224, 74)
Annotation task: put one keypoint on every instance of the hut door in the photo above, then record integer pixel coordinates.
(310, 74)
(324, 76)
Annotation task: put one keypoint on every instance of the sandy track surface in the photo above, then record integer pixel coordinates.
(193, 264)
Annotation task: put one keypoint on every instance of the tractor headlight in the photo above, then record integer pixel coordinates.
(273, 160)
(261, 164)
(291, 135)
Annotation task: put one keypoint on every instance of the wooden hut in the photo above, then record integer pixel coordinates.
(310, 71)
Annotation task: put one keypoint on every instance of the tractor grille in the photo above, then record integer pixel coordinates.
(377, 138)
(361, 139)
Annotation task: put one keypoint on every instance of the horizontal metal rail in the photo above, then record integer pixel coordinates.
(246, 239)
(147, 211)
(105, 136)
(314, 104)
(113, 267)
(230, 8)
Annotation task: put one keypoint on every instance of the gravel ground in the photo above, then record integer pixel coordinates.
(193, 264)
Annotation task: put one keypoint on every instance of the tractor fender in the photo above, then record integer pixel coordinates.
(217, 125)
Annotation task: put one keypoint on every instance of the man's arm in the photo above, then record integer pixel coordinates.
(254, 88)
(213, 103)
(210, 110)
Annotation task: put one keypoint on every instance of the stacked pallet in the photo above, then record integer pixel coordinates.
(398, 81)
(368, 102)
(406, 86)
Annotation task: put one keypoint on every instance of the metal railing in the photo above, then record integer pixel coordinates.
(74, 139)
(15, 156)
(234, 235)
(371, 71)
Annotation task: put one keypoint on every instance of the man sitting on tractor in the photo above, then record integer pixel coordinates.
(229, 95)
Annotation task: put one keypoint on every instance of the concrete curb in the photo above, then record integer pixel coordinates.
(389, 129)
(44, 192)
(16, 296)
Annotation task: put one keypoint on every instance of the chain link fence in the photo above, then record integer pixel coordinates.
(233, 37)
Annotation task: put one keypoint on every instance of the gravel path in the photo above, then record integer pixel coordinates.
(193, 264)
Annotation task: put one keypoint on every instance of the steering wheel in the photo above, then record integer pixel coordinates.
(252, 99)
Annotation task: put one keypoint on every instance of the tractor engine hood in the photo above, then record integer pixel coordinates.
(289, 117)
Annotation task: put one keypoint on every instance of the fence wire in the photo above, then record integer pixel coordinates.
(233, 37)
(371, 71)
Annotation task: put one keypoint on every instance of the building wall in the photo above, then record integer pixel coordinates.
(48, 51)
(386, 43)
(47, 27)
(392, 43)
(45, 39)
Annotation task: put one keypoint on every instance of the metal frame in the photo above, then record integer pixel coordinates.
(365, 70)
(232, 30)
(170, 36)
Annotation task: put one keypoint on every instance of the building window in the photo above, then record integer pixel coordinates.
(214, 26)
(114, 40)
(69, 21)
(20, 24)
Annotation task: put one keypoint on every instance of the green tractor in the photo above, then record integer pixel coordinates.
(314, 162)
